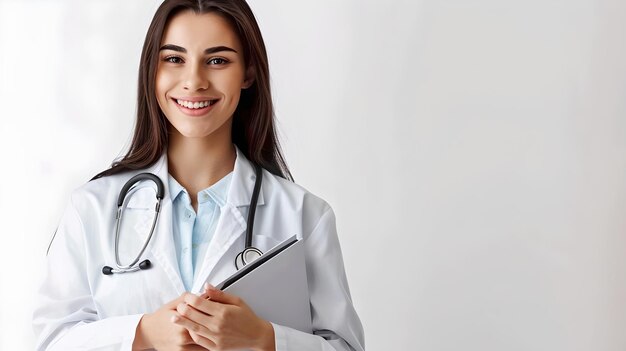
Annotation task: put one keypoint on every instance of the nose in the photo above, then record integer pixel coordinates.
(195, 79)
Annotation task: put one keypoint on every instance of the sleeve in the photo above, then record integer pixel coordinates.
(336, 325)
(65, 316)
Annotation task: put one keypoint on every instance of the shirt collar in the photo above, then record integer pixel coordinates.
(175, 187)
(218, 191)
(241, 184)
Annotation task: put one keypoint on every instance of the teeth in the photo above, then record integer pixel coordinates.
(193, 105)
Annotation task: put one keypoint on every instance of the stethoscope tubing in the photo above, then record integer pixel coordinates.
(249, 254)
(250, 251)
(132, 267)
(145, 244)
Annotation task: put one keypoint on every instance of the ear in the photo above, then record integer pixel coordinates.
(249, 80)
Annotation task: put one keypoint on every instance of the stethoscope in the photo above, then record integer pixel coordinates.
(249, 254)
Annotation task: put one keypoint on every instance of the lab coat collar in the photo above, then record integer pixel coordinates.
(242, 184)
(163, 248)
(231, 225)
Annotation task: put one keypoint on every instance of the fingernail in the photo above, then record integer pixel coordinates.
(174, 319)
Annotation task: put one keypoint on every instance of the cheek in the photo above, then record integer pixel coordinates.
(161, 85)
(230, 85)
(229, 79)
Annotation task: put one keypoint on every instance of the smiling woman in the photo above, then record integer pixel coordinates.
(205, 135)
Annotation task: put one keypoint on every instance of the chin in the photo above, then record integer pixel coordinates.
(194, 134)
(199, 128)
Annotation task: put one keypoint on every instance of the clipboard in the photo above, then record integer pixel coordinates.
(275, 286)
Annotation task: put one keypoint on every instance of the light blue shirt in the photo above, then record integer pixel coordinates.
(193, 232)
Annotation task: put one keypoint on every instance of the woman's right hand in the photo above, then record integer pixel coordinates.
(156, 330)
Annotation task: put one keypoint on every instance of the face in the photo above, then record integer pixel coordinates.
(200, 74)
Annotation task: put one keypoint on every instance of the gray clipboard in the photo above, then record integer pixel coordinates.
(275, 286)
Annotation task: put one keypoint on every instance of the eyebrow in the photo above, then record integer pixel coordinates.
(206, 51)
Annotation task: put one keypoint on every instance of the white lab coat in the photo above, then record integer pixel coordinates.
(79, 308)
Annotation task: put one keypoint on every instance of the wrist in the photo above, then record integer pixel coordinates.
(266, 340)
(142, 341)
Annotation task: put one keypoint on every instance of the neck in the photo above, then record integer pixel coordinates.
(197, 163)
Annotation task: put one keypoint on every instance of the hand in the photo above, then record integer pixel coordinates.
(155, 330)
(223, 322)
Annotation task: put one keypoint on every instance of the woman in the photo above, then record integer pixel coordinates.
(204, 120)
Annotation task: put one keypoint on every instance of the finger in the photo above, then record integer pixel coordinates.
(207, 286)
(206, 306)
(171, 305)
(193, 347)
(202, 341)
(204, 295)
(186, 295)
(192, 326)
(205, 290)
(193, 314)
(223, 297)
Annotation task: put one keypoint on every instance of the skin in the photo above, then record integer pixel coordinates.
(200, 152)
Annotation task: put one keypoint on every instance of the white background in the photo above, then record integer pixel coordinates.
(474, 153)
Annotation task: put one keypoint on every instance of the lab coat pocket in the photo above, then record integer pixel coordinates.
(134, 230)
(142, 291)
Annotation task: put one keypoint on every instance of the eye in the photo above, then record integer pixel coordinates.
(218, 61)
(172, 59)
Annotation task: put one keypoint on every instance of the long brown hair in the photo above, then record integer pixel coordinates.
(253, 128)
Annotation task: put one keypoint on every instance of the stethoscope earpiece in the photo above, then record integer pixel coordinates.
(145, 264)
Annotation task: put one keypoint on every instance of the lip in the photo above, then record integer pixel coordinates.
(195, 98)
(196, 111)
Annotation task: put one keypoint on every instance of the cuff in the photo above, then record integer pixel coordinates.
(280, 337)
(128, 339)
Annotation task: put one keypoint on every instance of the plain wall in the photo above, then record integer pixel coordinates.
(474, 153)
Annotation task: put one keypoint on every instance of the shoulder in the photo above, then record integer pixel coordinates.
(99, 192)
(293, 197)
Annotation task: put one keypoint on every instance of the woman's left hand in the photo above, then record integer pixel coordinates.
(220, 321)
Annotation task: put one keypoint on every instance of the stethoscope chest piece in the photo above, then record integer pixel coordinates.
(246, 256)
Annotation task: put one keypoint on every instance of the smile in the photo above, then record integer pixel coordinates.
(195, 105)
(195, 108)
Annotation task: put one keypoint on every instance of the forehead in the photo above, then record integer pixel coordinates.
(196, 32)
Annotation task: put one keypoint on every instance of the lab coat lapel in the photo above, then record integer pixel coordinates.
(232, 221)
(162, 246)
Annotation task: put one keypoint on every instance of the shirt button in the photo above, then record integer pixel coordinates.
(189, 214)
(203, 196)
